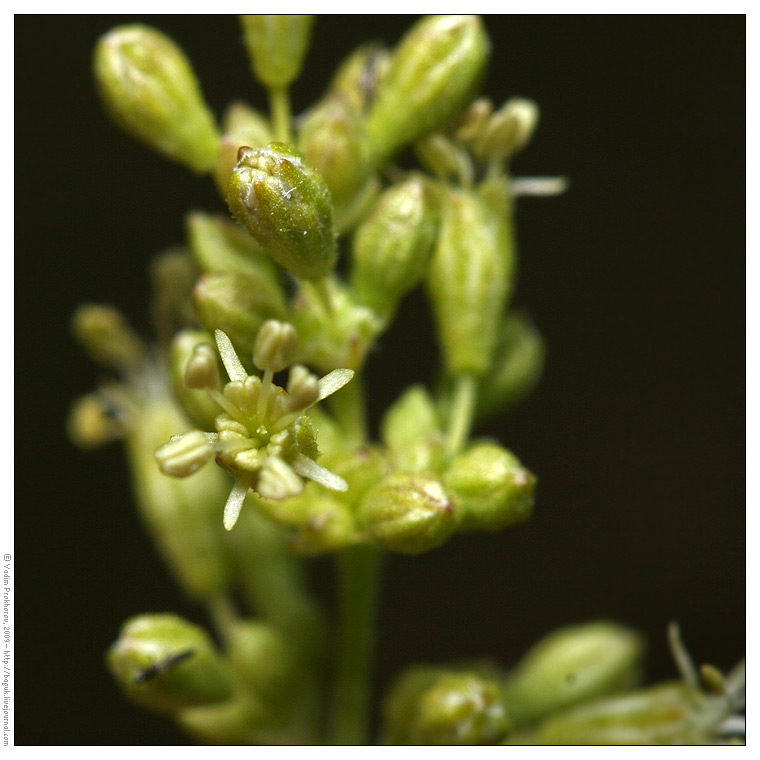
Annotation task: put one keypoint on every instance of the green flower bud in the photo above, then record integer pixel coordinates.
(516, 369)
(571, 666)
(441, 156)
(358, 77)
(331, 138)
(492, 488)
(461, 709)
(402, 702)
(392, 248)
(105, 335)
(238, 304)
(196, 402)
(241, 125)
(219, 245)
(164, 663)
(285, 205)
(411, 431)
(433, 73)
(182, 516)
(239, 721)
(149, 89)
(408, 513)
(277, 46)
(470, 279)
(507, 131)
(264, 661)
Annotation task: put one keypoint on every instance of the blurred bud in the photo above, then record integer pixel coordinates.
(408, 513)
(91, 422)
(392, 248)
(274, 346)
(277, 46)
(507, 131)
(401, 704)
(433, 72)
(439, 155)
(358, 77)
(285, 205)
(199, 406)
(331, 138)
(105, 335)
(491, 487)
(241, 125)
(148, 87)
(411, 430)
(474, 119)
(219, 245)
(238, 304)
(173, 274)
(517, 367)
(571, 666)
(327, 525)
(470, 278)
(238, 721)
(461, 709)
(182, 516)
(164, 663)
(264, 661)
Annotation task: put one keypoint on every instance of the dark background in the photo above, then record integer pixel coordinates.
(635, 277)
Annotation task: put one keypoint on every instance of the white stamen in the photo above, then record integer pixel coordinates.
(539, 186)
(308, 468)
(334, 381)
(229, 358)
(235, 500)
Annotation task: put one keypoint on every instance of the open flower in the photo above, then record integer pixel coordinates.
(263, 436)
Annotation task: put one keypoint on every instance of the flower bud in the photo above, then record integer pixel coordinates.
(277, 46)
(238, 304)
(433, 72)
(402, 701)
(164, 663)
(149, 89)
(219, 245)
(331, 138)
(91, 423)
(571, 666)
(187, 352)
(492, 488)
(408, 513)
(461, 709)
(507, 131)
(241, 125)
(439, 155)
(392, 248)
(517, 367)
(105, 335)
(358, 77)
(238, 721)
(327, 526)
(285, 205)
(411, 431)
(470, 279)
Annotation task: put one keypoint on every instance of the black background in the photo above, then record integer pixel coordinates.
(635, 278)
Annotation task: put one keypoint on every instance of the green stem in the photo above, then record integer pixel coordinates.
(222, 612)
(279, 108)
(358, 578)
(349, 408)
(462, 411)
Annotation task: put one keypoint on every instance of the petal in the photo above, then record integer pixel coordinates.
(308, 468)
(334, 381)
(235, 502)
(229, 358)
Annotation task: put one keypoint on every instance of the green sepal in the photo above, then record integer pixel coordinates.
(149, 89)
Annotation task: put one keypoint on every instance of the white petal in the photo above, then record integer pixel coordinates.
(308, 468)
(229, 357)
(235, 502)
(334, 381)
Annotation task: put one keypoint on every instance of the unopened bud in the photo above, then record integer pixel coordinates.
(238, 304)
(392, 248)
(91, 422)
(492, 488)
(439, 155)
(277, 46)
(285, 205)
(433, 72)
(274, 346)
(508, 130)
(570, 666)
(358, 77)
(241, 125)
(474, 119)
(239, 721)
(165, 664)
(149, 89)
(408, 513)
(470, 279)
(461, 709)
(105, 335)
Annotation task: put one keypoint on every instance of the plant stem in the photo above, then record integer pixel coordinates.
(224, 615)
(358, 582)
(462, 411)
(350, 411)
(279, 109)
